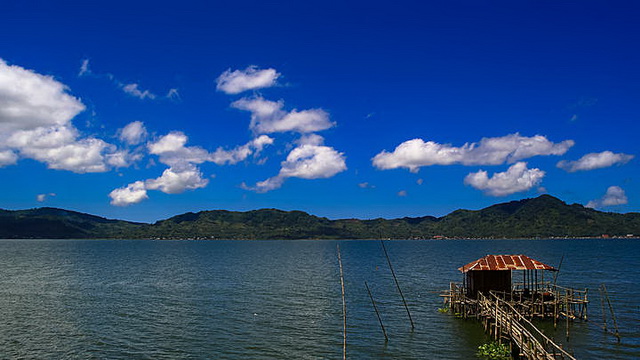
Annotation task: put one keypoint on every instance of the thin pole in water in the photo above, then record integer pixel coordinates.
(377, 313)
(555, 276)
(613, 316)
(344, 309)
(397, 284)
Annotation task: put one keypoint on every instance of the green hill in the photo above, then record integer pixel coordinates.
(544, 216)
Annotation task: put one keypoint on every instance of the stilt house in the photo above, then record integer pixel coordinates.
(495, 272)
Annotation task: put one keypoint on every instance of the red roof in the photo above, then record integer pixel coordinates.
(506, 262)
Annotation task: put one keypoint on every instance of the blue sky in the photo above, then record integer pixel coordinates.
(141, 110)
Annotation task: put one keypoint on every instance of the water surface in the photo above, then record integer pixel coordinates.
(113, 299)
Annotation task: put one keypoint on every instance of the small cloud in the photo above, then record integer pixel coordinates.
(130, 194)
(305, 162)
(516, 179)
(251, 78)
(369, 115)
(269, 117)
(366, 185)
(43, 197)
(594, 161)
(134, 90)
(133, 133)
(84, 68)
(419, 181)
(574, 117)
(173, 94)
(402, 193)
(615, 196)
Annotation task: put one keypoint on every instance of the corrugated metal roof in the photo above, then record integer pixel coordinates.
(506, 262)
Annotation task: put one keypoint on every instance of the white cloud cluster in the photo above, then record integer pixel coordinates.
(516, 179)
(183, 174)
(268, 117)
(172, 150)
(35, 122)
(615, 195)
(251, 78)
(413, 154)
(594, 161)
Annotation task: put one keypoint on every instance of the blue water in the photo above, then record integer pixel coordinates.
(98, 299)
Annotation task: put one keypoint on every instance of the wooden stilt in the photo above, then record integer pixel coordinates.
(344, 309)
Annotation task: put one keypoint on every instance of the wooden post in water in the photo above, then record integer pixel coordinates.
(555, 276)
(377, 313)
(604, 313)
(613, 316)
(344, 309)
(397, 284)
(566, 311)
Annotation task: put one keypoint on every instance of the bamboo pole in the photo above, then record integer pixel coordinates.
(397, 284)
(613, 316)
(344, 309)
(555, 276)
(377, 312)
(604, 313)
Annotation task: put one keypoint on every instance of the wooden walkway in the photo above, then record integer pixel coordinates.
(506, 324)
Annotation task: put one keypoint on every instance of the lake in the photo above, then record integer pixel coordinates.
(143, 299)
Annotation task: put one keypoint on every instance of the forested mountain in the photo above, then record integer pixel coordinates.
(544, 216)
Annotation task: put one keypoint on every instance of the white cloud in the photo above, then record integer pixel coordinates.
(268, 117)
(595, 161)
(251, 78)
(173, 94)
(133, 133)
(305, 162)
(84, 68)
(615, 196)
(177, 180)
(516, 179)
(8, 157)
(413, 154)
(29, 100)
(133, 90)
(402, 193)
(122, 158)
(43, 197)
(60, 149)
(172, 150)
(130, 194)
(35, 122)
(366, 185)
(240, 153)
(420, 181)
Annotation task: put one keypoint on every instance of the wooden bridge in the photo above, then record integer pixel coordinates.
(504, 322)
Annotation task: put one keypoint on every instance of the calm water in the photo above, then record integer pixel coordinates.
(278, 299)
